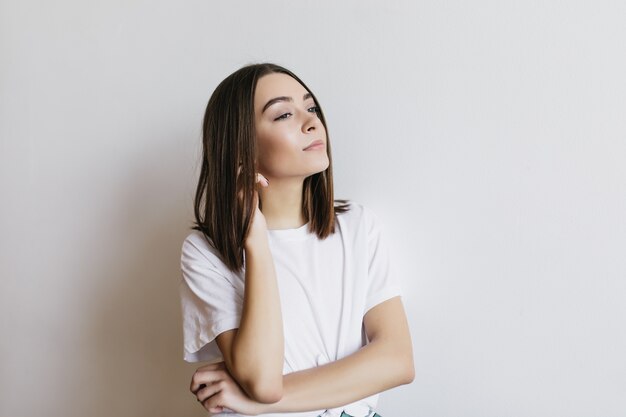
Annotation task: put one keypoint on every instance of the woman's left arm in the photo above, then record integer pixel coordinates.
(385, 362)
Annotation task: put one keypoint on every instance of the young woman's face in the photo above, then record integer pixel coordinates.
(291, 139)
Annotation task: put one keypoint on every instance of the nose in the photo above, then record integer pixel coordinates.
(311, 122)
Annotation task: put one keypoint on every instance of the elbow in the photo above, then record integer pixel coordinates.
(262, 383)
(408, 375)
(409, 368)
(403, 367)
(266, 391)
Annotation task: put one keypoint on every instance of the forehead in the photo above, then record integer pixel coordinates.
(277, 85)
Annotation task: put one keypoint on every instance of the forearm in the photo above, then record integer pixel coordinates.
(257, 349)
(374, 368)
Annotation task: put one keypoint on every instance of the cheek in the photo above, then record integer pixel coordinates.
(276, 152)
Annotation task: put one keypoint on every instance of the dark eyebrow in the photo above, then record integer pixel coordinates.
(284, 98)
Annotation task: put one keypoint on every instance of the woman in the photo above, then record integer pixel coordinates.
(318, 328)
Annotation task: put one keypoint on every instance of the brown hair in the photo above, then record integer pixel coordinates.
(228, 141)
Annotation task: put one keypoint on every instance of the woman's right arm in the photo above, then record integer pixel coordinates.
(254, 353)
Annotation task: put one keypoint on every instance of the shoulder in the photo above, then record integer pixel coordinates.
(358, 216)
(196, 244)
(197, 248)
(357, 212)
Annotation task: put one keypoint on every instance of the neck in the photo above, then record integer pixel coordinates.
(282, 203)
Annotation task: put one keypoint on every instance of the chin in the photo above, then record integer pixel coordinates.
(303, 170)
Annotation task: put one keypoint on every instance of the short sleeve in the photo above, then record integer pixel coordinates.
(211, 299)
(382, 284)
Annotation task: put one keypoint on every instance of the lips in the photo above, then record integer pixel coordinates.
(315, 143)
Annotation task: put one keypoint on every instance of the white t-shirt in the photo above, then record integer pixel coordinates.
(326, 287)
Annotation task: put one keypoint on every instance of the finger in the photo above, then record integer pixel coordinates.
(216, 410)
(262, 180)
(205, 378)
(208, 391)
(210, 406)
(215, 403)
(202, 379)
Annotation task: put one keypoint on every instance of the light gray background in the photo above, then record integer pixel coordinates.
(489, 136)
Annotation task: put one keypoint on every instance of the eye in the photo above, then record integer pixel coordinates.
(314, 109)
(283, 116)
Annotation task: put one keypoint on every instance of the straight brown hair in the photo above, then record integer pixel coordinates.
(228, 142)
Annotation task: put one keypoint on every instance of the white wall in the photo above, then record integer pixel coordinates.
(489, 136)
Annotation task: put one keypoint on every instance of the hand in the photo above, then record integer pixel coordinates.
(258, 221)
(258, 228)
(216, 390)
